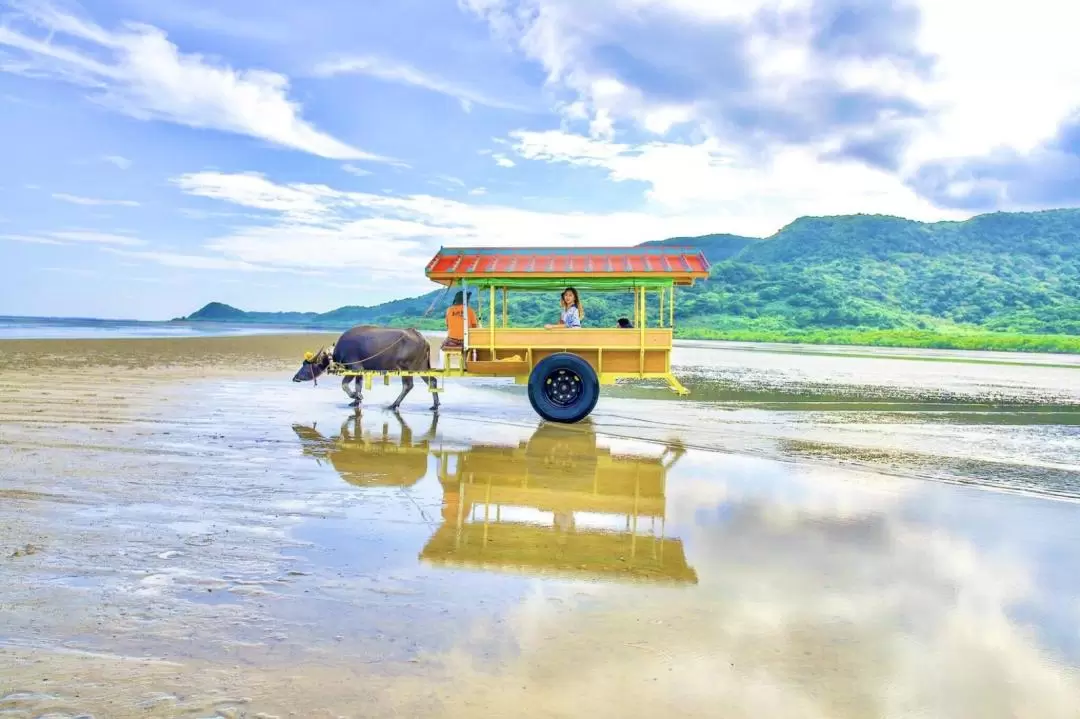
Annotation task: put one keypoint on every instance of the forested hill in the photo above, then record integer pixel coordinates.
(1005, 272)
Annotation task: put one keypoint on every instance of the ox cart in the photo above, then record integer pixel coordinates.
(562, 367)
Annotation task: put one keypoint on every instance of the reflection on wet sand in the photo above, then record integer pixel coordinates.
(557, 503)
(364, 459)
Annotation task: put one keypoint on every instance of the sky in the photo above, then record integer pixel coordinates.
(275, 155)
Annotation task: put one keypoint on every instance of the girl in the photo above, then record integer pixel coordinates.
(572, 314)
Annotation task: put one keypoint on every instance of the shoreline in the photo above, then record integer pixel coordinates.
(973, 340)
(277, 342)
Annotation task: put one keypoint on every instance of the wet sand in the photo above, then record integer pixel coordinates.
(186, 533)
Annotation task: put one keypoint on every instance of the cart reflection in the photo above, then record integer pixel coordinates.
(557, 504)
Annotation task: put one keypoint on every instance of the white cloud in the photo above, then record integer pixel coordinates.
(136, 70)
(355, 170)
(77, 237)
(31, 239)
(319, 227)
(92, 201)
(74, 271)
(987, 96)
(118, 161)
(503, 161)
(763, 75)
(478, 191)
(192, 262)
(99, 238)
(404, 74)
(208, 215)
(744, 195)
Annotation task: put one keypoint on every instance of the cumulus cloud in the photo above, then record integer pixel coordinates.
(741, 192)
(136, 70)
(315, 226)
(835, 74)
(911, 87)
(1007, 178)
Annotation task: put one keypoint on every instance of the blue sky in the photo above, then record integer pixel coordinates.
(276, 155)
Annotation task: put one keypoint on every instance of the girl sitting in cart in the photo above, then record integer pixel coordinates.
(572, 313)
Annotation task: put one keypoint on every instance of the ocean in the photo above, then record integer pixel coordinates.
(84, 328)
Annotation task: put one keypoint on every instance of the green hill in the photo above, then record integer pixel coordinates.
(1001, 281)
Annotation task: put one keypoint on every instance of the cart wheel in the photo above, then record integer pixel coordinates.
(563, 388)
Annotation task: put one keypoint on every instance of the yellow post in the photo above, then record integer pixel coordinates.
(505, 312)
(641, 331)
(492, 336)
(660, 317)
(671, 308)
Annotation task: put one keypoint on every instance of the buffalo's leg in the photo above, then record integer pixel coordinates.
(357, 397)
(406, 387)
(433, 385)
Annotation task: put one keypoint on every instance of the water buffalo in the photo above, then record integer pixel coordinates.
(374, 348)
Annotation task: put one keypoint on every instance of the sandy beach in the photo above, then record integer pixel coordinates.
(184, 532)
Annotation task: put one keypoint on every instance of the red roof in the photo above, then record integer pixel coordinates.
(680, 263)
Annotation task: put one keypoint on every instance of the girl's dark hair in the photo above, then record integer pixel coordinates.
(577, 301)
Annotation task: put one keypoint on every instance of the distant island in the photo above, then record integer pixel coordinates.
(999, 281)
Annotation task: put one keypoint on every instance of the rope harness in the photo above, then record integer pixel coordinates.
(314, 377)
(362, 361)
(317, 355)
(434, 301)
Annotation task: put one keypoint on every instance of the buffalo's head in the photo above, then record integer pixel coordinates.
(315, 363)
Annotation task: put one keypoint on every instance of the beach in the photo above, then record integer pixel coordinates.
(184, 532)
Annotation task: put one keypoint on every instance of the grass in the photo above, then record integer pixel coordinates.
(922, 339)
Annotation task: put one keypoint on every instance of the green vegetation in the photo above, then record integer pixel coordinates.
(1003, 281)
(992, 341)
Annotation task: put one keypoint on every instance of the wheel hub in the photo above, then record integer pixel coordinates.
(563, 387)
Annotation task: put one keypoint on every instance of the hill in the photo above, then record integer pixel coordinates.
(831, 278)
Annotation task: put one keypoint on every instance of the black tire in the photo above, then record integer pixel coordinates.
(563, 388)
